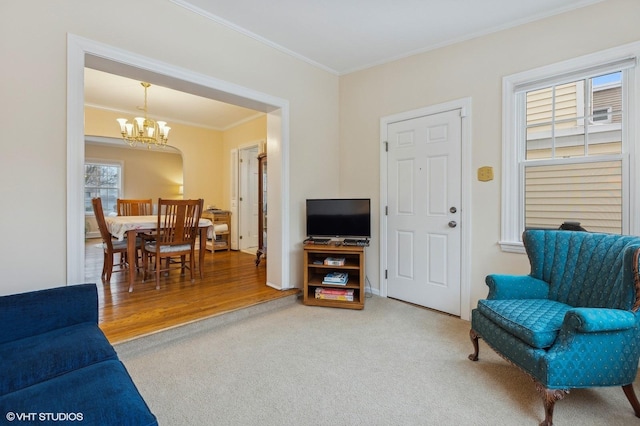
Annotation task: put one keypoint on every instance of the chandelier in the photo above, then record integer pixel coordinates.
(143, 129)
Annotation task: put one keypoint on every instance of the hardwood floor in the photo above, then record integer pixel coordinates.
(231, 282)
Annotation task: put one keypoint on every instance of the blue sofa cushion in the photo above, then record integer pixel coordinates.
(31, 360)
(535, 321)
(100, 394)
(37, 312)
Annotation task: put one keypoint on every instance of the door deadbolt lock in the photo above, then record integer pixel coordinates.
(453, 224)
(453, 210)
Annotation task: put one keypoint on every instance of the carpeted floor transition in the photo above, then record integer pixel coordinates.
(284, 363)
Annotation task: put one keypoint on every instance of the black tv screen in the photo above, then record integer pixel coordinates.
(339, 217)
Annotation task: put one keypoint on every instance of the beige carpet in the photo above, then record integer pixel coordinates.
(390, 364)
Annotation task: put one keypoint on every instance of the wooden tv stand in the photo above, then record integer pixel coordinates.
(315, 270)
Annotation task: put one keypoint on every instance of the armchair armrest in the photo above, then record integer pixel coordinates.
(516, 287)
(591, 320)
(29, 314)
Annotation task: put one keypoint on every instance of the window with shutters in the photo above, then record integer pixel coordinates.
(566, 147)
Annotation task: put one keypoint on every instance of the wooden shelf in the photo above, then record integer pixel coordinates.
(223, 239)
(315, 270)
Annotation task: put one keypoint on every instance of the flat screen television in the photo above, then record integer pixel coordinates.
(339, 217)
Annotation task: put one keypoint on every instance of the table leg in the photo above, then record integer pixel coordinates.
(203, 247)
(131, 256)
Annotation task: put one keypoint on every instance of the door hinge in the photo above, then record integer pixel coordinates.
(386, 146)
(386, 210)
(386, 274)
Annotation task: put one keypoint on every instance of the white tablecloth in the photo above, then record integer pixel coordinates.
(119, 225)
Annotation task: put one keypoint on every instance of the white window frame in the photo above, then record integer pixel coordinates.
(512, 222)
(102, 162)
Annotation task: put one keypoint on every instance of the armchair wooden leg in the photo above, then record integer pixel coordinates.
(549, 398)
(631, 396)
(474, 339)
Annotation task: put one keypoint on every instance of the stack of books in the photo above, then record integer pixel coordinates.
(345, 294)
(334, 261)
(336, 278)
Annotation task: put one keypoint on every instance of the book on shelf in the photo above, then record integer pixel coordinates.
(347, 295)
(334, 297)
(334, 261)
(338, 291)
(336, 278)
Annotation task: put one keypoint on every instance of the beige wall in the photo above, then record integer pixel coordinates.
(33, 167)
(470, 69)
(334, 121)
(146, 173)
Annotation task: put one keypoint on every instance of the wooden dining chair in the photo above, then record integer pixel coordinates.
(110, 245)
(178, 225)
(131, 207)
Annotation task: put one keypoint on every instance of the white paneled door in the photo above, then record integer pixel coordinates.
(423, 222)
(248, 206)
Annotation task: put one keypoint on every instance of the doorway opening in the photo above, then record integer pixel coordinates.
(83, 53)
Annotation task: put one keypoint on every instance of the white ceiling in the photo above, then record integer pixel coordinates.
(347, 35)
(340, 36)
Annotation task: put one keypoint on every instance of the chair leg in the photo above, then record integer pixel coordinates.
(145, 265)
(104, 267)
(631, 396)
(108, 267)
(158, 267)
(191, 265)
(474, 340)
(549, 398)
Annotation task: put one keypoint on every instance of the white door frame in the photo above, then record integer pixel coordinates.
(82, 51)
(464, 105)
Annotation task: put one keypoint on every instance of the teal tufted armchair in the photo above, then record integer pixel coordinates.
(573, 322)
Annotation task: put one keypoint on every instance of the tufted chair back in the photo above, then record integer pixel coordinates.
(584, 269)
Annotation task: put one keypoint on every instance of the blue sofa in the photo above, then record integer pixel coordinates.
(573, 322)
(56, 365)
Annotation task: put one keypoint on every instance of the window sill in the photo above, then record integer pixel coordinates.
(512, 246)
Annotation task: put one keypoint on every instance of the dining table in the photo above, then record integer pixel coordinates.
(131, 226)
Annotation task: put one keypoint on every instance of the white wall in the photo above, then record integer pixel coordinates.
(470, 69)
(33, 165)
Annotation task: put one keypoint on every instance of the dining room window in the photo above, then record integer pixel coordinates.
(102, 179)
